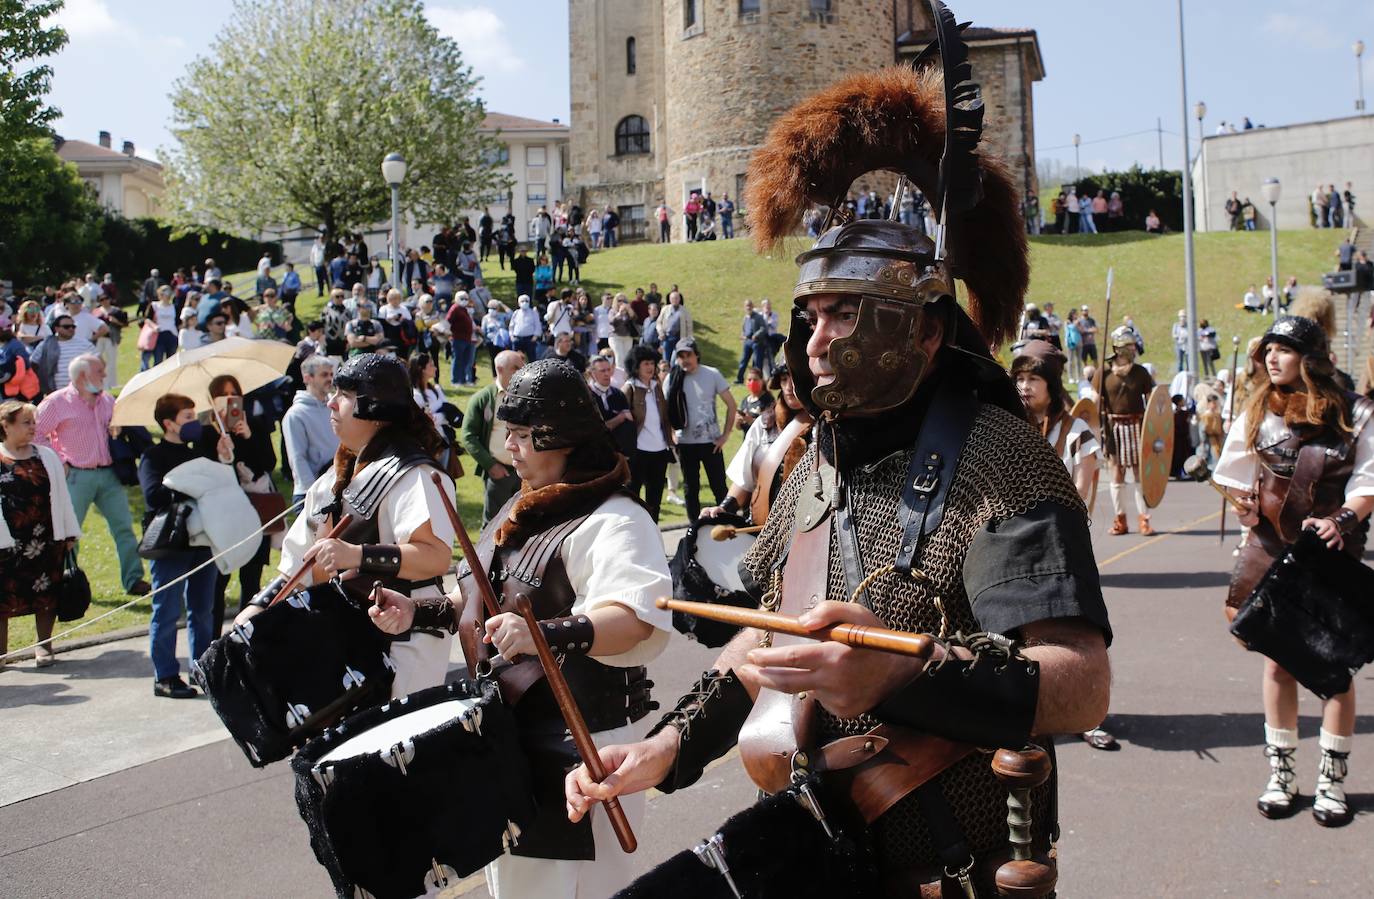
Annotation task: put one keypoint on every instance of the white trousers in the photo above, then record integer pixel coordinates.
(421, 662)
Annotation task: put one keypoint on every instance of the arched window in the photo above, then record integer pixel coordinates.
(631, 136)
(629, 56)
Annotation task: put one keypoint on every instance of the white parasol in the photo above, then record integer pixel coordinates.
(189, 373)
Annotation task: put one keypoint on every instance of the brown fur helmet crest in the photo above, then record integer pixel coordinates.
(925, 126)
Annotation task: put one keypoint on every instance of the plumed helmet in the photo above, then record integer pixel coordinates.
(1039, 357)
(925, 126)
(381, 384)
(1302, 334)
(552, 399)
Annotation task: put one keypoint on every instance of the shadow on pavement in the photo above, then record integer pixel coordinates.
(1166, 580)
(39, 694)
(1202, 733)
(114, 663)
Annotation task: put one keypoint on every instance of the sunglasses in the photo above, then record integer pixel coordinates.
(66, 327)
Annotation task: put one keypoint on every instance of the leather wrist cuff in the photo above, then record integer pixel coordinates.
(572, 634)
(265, 596)
(989, 702)
(731, 505)
(380, 558)
(434, 613)
(1346, 521)
(708, 719)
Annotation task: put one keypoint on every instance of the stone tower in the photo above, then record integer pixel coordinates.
(670, 96)
(733, 67)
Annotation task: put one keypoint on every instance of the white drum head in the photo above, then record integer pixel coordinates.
(720, 558)
(408, 726)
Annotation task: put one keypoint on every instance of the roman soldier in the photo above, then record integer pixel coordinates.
(590, 559)
(925, 503)
(399, 534)
(1300, 455)
(1038, 371)
(1124, 395)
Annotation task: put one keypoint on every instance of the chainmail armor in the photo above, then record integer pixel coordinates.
(1005, 470)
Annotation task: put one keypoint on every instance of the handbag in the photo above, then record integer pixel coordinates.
(167, 532)
(268, 503)
(74, 595)
(147, 336)
(1313, 614)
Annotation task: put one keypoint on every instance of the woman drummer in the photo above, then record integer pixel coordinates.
(400, 533)
(1296, 404)
(594, 598)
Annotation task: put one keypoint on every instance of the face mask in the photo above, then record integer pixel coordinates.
(191, 432)
(755, 386)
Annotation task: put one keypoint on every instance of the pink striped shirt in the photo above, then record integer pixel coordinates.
(78, 431)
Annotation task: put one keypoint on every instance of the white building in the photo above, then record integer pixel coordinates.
(124, 182)
(1301, 156)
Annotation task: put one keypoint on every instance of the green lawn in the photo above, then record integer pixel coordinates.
(717, 277)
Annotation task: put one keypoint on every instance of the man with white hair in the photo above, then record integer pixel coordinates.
(484, 436)
(75, 423)
(310, 441)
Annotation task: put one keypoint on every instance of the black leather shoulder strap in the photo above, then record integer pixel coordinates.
(933, 464)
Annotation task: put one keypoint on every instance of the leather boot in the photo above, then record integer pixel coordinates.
(1281, 792)
(1145, 529)
(1119, 526)
(1329, 806)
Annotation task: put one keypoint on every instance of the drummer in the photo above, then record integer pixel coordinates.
(594, 598)
(400, 533)
(754, 458)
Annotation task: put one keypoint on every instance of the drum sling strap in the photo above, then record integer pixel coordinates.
(939, 445)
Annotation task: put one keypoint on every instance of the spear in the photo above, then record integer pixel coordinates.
(1103, 422)
(1230, 420)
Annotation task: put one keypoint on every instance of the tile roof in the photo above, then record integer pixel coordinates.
(73, 150)
(495, 120)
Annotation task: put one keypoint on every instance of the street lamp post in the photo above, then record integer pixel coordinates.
(1076, 167)
(1359, 75)
(1200, 110)
(1190, 283)
(394, 172)
(1271, 189)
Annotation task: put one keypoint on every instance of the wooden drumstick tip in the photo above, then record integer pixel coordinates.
(378, 599)
(1021, 769)
(661, 602)
(723, 532)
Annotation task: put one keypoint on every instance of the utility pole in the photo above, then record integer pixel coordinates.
(1188, 263)
(1159, 133)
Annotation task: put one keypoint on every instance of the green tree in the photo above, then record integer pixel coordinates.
(264, 139)
(24, 38)
(50, 225)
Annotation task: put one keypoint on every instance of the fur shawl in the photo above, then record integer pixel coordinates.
(535, 511)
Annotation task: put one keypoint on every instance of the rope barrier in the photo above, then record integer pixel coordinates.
(172, 583)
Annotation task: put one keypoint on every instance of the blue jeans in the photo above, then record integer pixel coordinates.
(196, 595)
(527, 346)
(100, 486)
(463, 354)
(727, 226)
(1182, 357)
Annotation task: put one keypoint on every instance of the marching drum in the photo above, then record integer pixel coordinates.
(413, 795)
(707, 570)
(294, 670)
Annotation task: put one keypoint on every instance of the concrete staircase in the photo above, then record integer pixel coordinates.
(1353, 341)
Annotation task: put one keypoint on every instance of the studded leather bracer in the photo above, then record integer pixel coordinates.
(988, 701)
(268, 593)
(434, 614)
(380, 558)
(708, 718)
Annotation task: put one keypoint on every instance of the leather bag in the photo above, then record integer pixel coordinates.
(74, 596)
(1313, 614)
(167, 532)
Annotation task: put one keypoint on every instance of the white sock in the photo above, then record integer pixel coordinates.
(1334, 742)
(1139, 498)
(1281, 737)
(1116, 499)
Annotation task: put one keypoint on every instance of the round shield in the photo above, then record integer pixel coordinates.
(1087, 410)
(1156, 445)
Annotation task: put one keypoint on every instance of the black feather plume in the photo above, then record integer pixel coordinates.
(961, 185)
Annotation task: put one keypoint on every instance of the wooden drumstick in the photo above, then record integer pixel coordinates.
(1196, 468)
(726, 531)
(469, 552)
(309, 561)
(577, 726)
(1020, 772)
(860, 636)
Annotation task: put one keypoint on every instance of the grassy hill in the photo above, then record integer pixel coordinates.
(717, 277)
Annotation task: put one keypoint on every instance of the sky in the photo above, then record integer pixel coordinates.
(1112, 66)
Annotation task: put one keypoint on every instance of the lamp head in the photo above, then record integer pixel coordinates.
(394, 169)
(1271, 189)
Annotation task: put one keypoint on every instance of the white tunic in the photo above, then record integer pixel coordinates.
(1079, 447)
(421, 661)
(615, 556)
(743, 467)
(1239, 464)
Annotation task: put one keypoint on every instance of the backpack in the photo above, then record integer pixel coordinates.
(676, 398)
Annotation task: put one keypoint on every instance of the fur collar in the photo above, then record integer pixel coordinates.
(1293, 406)
(538, 510)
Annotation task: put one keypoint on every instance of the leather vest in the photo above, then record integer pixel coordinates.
(608, 696)
(1300, 477)
(363, 499)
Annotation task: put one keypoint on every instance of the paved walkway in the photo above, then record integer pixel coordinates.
(131, 794)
